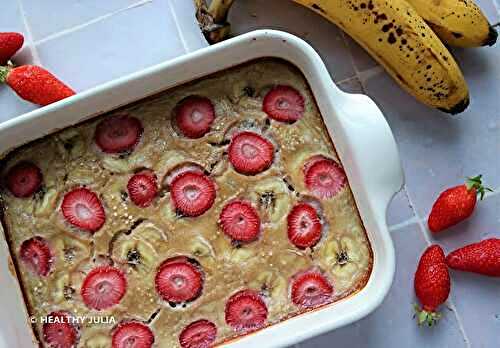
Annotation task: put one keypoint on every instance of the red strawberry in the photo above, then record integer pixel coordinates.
(432, 284)
(194, 116)
(250, 153)
(143, 188)
(35, 253)
(24, 179)
(310, 289)
(324, 178)
(482, 257)
(193, 193)
(199, 334)
(304, 226)
(179, 169)
(119, 133)
(456, 204)
(103, 287)
(246, 311)
(240, 221)
(132, 334)
(284, 103)
(10, 43)
(178, 280)
(83, 209)
(35, 84)
(60, 331)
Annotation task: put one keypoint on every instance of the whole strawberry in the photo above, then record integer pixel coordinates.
(35, 84)
(482, 258)
(456, 204)
(432, 284)
(10, 43)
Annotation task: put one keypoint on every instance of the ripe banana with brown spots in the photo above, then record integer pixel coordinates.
(457, 22)
(400, 40)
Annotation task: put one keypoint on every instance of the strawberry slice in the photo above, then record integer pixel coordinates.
(310, 289)
(83, 209)
(59, 331)
(250, 153)
(193, 193)
(246, 311)
(118, 134)
(103, 287)
(35, 253)
(240, 221)
(143, 188)
(324, 178)
(194, 116)
(179, 169)
(284, 104)
(132, 334)
(199, 334)
(304, 226)
(24, 179)
(178, 280)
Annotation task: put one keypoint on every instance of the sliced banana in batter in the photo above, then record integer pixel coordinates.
(47, 205)
(61, 288)
(200, 248)
(345, 257)
(273, 199)
(71, 143)
(97, 340)
(69, 251)
(116, 164)
(139, 250)
(271, 284)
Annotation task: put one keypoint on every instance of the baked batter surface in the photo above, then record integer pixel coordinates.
(137, 240)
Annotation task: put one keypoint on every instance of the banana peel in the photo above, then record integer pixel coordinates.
(400, 36)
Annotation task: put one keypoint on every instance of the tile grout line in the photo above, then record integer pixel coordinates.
(178, 27)
(449, 301)
(34, 51)
(348, 79)
(399, 226)
(414, 219)
(90, 22)
(351, 57)
(360, 75)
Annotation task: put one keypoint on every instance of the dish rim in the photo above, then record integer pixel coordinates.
(353, 121)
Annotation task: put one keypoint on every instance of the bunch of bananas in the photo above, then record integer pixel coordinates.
(406, 37)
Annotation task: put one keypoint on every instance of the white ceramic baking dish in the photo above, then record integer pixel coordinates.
(361, 136)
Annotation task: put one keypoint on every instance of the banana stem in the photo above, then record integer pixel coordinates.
(213, 19)
(219, 9)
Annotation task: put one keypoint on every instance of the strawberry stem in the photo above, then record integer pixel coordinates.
(426, 317)
(4, 71)
(476, 183)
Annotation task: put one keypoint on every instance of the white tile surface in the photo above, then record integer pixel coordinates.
(116, 46)
(47, 17)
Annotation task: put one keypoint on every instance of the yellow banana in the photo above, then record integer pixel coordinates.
(400, 40)
(457, 22)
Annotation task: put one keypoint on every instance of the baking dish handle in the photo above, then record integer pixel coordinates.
(372, 150)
